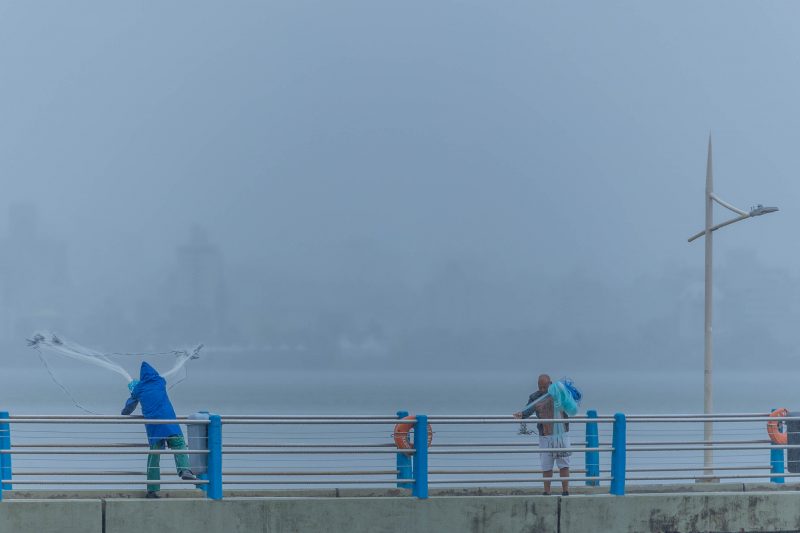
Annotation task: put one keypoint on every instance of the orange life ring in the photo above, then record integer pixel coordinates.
(774, 427)
(401, 434)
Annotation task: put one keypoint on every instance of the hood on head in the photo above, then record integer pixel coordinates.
(147, 372)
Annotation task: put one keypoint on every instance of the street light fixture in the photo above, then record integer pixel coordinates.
(756, 211)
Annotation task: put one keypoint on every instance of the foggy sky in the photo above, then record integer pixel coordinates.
(452, 182)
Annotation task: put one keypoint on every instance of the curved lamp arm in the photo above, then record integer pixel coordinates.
(755, 212)
(721, 225)
(726, 205)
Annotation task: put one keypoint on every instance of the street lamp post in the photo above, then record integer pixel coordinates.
(710, 228)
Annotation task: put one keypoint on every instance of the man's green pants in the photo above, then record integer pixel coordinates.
(174, 442)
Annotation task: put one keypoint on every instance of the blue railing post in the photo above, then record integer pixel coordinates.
(776, 463)
(214, 457)
(5, 445)
(403, 462)
(420, 489)
(592, 457)
(618, 441)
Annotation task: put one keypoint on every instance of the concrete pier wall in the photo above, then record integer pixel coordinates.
(350, 515)
(667, 513)
(46, 516)
(763, 511)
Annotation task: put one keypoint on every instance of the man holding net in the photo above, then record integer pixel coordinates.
(552, 400)
(151, 391)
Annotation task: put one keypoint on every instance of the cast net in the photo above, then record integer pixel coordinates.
(57, 345)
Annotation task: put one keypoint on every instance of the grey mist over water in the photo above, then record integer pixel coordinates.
(368, 206)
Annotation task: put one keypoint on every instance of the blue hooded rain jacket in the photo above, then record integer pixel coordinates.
(151, 391)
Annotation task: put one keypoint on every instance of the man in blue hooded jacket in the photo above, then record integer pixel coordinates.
(151, 390)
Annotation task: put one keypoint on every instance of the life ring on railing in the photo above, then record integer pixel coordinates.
(774, 427)
(401, 434)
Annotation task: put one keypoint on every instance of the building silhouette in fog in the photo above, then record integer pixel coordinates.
(197, 287)
(34, 280)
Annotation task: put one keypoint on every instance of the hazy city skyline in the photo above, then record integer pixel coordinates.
(459, 183)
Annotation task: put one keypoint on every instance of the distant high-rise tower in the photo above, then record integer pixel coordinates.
(198, 289)
(34, 281)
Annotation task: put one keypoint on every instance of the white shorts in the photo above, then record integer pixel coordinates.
(547, 459)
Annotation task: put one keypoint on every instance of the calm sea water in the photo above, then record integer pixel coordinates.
(234, 389)
(231, 389)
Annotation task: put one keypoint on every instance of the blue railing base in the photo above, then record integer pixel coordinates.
(5, 444)
(618, 441)
(592, 458)
(214, 457)
(420, 489)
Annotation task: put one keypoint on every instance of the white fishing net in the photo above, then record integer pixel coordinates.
(58, 345)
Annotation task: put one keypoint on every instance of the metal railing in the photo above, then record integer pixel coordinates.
(43, 454)
(290, 451)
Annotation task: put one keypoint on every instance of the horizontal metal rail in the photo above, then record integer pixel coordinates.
(393, 447)
(384, 417)
(137, 421)
(85, 417)
(520, 420)
(108, 452)
(312, 445)
(756, 476)
(437, 418)
(99, 482)
(516, 480)
(696, 415)
(436, 451)
(486, 444)
(722, 476)
(80, 445)
(314, 473)
(717, 448)
(698, 442)
(315, 421)
(317, 481)
(316, 451)
(580, 418)
(468, 418)
(504, 416)
(441, 449)
(315, 417)
(465, 421)
(226, 472)
(697, 468)
(79, 473)
(496, 471)
(578, 471)
(713, 419)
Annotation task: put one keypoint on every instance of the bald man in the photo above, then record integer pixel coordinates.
(544, 409)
